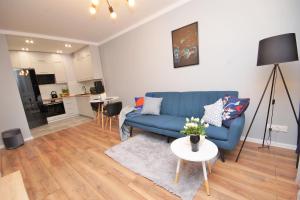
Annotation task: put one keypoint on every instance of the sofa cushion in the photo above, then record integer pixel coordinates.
(213, 113)
(188, 104)
(233, 107)
(170, 102)
(220, 133)
(173, 123)
(151, 106)
(167, 122)
(139, 102)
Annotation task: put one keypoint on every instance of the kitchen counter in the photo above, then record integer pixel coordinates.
(69, 96)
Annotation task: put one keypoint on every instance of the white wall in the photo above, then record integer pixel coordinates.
(229, 31)
(12, 114)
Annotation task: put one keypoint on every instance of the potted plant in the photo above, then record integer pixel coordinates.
(65, 92)
(195, 128)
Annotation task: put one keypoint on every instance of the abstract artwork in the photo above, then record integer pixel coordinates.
(185, 45)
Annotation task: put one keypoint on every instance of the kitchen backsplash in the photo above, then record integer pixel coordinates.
(77, 88)
(74, 88)
(47, 89)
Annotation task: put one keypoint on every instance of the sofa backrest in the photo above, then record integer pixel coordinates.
(188, 104)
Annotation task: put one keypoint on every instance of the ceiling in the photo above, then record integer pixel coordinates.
(16, 43)
(71, 18)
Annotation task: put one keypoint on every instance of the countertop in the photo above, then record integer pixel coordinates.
(69, 96)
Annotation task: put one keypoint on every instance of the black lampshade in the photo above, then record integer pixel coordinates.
(277, 49)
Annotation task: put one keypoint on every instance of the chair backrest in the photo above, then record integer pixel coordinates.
(113, 109)
(95, 106)
(188, 104)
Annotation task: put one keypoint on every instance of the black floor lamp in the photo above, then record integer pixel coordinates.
(274, 50)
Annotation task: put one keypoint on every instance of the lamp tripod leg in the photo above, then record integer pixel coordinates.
(270, 101)
(237, 158)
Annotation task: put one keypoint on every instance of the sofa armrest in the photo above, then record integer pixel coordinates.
(235, 130)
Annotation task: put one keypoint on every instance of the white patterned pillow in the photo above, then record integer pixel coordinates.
(213, 113)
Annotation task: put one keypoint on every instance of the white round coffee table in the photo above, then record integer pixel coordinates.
(182, 149)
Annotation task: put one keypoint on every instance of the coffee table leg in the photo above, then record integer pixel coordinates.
(205, 178)
(177, 170)
(209, 166)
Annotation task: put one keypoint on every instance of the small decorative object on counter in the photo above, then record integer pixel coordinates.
(195, 128)
(65, 92)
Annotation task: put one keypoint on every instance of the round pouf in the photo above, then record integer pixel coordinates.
(13, 138)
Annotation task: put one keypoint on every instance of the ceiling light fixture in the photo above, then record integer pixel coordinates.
(25, 49)
(95, 2)
(131, 3)
(68, 45)
(113, 14)
(94, 7)
(29, 41)
(59, 51)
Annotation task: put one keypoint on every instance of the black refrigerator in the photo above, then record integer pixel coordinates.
(31, 97)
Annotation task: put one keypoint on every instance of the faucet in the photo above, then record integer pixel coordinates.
(84, 89)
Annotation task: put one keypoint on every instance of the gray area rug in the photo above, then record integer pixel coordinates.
(149, 155)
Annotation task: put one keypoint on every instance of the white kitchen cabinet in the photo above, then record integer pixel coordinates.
(70, 105)
(20, 59)
(87, 65)
(42, 63)
(15, 59)
(43, 67)
(84, 106)
(96, 62)
(60, 72)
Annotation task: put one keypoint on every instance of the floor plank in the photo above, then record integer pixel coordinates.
(1, 172)
(71, 164)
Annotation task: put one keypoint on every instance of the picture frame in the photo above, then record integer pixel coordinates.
(185, 46)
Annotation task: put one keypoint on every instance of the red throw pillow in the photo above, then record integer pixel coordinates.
(139, 102)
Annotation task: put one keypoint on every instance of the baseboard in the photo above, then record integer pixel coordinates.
(29, 138)
(274, 144)
(26, 139)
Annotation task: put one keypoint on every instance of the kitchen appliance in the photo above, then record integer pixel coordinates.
(53, 94)
(55, 108)
(34, 108)
(99, 87)
(44, 79)
(93, 90)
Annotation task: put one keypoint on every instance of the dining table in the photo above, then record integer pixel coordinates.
(102, 102)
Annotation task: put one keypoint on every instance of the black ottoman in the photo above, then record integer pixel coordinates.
(12, 138)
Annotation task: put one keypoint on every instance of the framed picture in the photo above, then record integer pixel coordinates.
(185, 45)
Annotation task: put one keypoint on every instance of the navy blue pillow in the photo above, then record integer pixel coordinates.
(233, 108)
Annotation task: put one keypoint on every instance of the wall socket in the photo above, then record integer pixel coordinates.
(278, 128)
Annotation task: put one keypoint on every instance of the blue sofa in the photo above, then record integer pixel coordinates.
(176, 106)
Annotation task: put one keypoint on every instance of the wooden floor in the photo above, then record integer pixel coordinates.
(71, 164)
